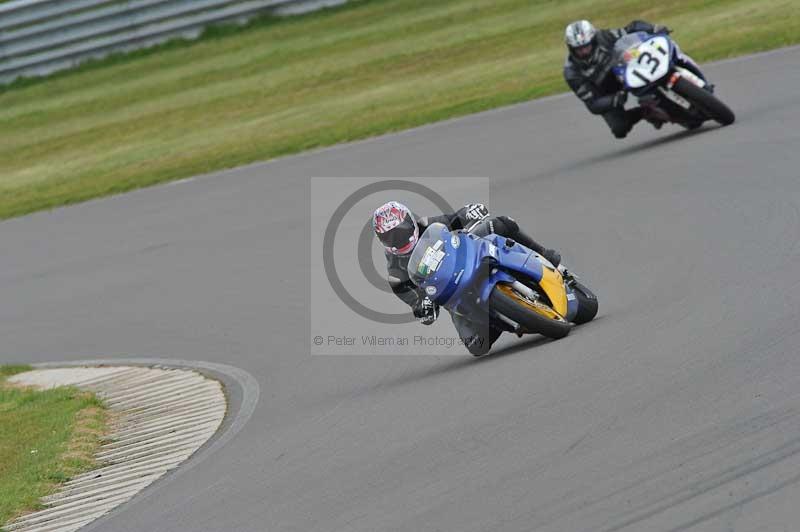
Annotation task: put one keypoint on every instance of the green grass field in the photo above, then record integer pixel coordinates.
(45, 438)
(280, 87)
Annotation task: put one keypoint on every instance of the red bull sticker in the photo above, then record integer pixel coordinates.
(630, 54)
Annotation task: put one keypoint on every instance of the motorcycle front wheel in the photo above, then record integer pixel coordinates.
(532, 316)
(705, 101)
(587, 304)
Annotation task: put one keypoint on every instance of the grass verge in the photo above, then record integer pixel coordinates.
(280, 87)
(46, 438)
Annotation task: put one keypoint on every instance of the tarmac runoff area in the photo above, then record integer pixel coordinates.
(160, 417)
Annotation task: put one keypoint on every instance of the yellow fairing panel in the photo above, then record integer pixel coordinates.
(535, 306)
(553, 285)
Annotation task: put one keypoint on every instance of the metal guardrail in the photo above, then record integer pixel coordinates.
(38, 37)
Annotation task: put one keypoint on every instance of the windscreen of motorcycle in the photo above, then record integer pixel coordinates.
(624, 50)
(434, 260)
(646, 62)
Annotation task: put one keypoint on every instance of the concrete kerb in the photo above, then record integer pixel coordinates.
(158, 439)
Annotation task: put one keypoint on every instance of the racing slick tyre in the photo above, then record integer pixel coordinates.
(587, 304)
(706, 101)
(532, 316)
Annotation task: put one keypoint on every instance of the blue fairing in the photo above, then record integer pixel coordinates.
(517, 258)
(445, 264)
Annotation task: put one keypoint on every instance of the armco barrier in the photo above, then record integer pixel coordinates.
(41, 36)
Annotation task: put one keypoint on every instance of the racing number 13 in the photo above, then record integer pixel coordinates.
(650, 61)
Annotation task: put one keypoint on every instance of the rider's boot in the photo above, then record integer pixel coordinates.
(655, 122)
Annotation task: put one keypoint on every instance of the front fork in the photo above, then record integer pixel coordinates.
(515, 327)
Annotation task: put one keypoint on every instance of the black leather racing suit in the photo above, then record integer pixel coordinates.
(475, 218)
(595, 84)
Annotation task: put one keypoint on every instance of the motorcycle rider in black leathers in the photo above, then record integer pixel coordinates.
(398, 230)
(588, 73)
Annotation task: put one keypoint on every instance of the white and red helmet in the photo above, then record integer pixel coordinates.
(395, 227)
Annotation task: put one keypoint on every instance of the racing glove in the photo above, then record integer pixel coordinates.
(426, 311)
(660, 28)
(619, 99)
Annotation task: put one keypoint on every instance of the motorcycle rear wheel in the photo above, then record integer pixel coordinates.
(707, 102)
(531, 316)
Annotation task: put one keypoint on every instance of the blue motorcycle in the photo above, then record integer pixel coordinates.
(649, 67)
(495, 279)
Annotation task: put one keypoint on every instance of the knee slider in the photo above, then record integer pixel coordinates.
(620, 132)
(477, 345)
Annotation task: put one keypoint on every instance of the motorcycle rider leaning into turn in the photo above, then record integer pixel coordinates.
(588, 72)
(398, 230)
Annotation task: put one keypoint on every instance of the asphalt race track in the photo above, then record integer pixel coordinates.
(677, 409)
